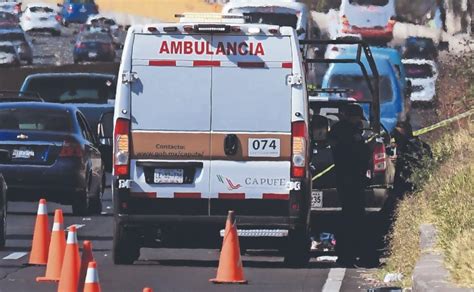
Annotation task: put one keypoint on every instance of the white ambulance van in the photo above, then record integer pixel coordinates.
(211, 115)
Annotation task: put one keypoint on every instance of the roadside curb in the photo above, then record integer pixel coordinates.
(429, 273)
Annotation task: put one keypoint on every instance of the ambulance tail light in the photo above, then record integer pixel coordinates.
(235, 29)
(299, 136)
(380, 163)
(122, 147)
(152, 29)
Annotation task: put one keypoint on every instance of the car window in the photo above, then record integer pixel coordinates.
(7, 49)
(73, 89)
(369, 2)
(360, 90)
(84, 128)
(38, 9)
(419, 70)
(32, 119)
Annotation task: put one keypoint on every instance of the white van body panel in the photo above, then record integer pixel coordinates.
(184, 93)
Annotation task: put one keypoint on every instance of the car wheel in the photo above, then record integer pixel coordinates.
(125, 246)
(297, 251)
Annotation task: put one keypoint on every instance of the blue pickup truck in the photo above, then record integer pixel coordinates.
(77, 11)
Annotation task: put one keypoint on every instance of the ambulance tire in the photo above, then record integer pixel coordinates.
(297, 251)
(125, 246)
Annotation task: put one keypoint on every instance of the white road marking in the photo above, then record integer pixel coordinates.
(15, 256)
(334, 280)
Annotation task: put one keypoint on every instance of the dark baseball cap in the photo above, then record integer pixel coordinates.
(353, 110)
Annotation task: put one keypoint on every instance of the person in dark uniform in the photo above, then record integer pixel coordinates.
(412, 154)
(351, 159)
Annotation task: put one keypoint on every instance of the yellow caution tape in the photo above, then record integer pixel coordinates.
(415, 133)
(323, 172)
(443, 123)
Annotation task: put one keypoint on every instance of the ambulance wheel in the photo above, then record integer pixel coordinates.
(297, 251)
(126, 248)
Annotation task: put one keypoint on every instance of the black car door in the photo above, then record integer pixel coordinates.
(93, 156)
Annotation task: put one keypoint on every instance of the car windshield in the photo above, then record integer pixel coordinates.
(369, 2)
(73, 89)
(38, 9)
(360, 90)
(33, 119)
(7, 49)
(280, 16)
(418, 70)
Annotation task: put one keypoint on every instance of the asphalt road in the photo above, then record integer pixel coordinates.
(162, 269)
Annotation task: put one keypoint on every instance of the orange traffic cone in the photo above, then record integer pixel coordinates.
(86, 258)
(41, 237)
(69, 280)
(92, 278)
(147, 290)
(230, 269)
(57, 247)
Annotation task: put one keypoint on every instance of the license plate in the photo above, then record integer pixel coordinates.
(316, 200)
(264, 147)
(169, 176)
(92, 55)
(43, 18)
(22, 153)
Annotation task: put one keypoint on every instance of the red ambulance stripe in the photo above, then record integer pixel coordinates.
(251, 64)
(287, 65)
(143, 194)
(187, 195)
(205, 63)
(232, 196)
(276, 196)
(162, 63)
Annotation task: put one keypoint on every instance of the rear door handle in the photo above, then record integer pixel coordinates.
(231, 144)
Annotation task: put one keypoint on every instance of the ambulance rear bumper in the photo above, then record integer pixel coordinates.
(242, 221)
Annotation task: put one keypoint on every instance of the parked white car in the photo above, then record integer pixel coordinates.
(332, 51)
(40, 17)
(8, 55)
(423, 75)
(373, 19)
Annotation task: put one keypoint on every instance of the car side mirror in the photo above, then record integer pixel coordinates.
(4, 156)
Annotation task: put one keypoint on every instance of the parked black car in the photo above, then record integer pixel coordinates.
(54, 154)
(94, 46)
